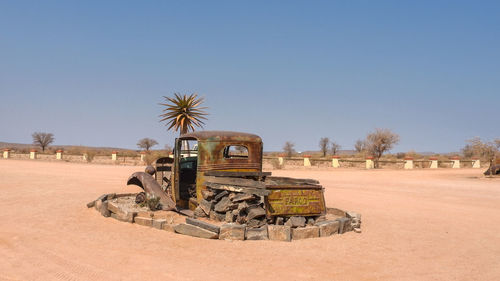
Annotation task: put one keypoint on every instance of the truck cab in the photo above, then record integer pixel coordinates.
(197, 153)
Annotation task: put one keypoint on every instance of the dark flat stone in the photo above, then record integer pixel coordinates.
(232, 231)
(256, 212)
(91, 204)
(220, 195)
(191, 230)
(225, 205)
(342, 224)
(187, 212)
(204, 225)
(296, 221)
(257, 233)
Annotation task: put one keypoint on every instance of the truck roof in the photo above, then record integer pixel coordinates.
(222, 136)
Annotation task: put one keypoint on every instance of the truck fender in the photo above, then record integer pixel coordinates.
(152, 188)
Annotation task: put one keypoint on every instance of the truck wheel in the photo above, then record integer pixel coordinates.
(140, 197)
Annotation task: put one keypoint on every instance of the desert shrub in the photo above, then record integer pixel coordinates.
(90, 154)
(76, 150)
(389, 157)
(126, 153)
(276, 164)
(22, 150)
(149, 159)
(152, 202)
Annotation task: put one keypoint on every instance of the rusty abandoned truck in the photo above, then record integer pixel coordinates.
(213, 187)
(228, 161)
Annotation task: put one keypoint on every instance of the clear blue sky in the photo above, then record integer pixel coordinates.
(93, 72)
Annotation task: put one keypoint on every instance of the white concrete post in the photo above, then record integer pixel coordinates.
(335, 161)
(33, 154)
(6, 153)
(476, 164)
(281, 161)
(408, 163)
(369, 162)
(434, 163)
(307, 161)
(143, 156)
(84, 157)
(456, 162)
(113, 155)
(59, 154)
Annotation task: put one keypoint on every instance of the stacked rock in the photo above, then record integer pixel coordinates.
(243, 216)
(232, 207)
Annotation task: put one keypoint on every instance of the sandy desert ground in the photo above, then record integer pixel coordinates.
(417, 225)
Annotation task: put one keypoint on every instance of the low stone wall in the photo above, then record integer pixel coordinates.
(122, 207)
(391, 164)
(49, 157)
(269, 162)
(292, 161)
(98, 159)
(360, 164)
(408, 163)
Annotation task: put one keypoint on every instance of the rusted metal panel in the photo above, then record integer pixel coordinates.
(237, 174)
(242, 189)
(200, 180)
(295, 201)
(235, 181)
(229, 166)
(287, 180)
(211, 157)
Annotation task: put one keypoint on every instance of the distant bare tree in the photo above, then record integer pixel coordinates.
(323, 145)
(473, 148)
(42, 139)
(468, 151)
(169, 148)
(380, 141)
(146, 143)
(288, 149)
(486, 150)
(489, 151)
(334, 147)
(359, 146)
